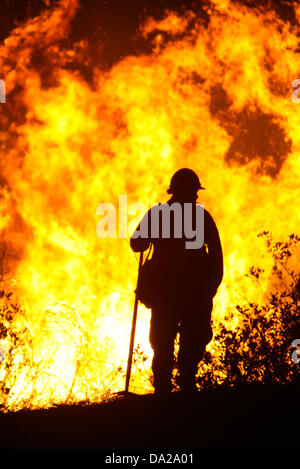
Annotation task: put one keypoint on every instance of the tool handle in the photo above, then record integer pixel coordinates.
(130, 354)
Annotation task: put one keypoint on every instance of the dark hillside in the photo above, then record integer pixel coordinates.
(255, 416)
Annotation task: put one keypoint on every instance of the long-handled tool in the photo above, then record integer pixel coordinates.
(131, 345)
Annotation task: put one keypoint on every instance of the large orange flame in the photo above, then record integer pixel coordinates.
(214, 97)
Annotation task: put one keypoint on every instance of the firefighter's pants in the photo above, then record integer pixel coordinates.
(193, 322)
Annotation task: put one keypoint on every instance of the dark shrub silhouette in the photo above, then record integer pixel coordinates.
(260, 349)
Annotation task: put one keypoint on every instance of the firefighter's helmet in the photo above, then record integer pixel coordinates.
(184, 179)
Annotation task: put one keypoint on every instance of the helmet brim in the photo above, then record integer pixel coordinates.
(172, 191)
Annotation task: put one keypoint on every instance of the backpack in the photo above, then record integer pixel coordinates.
(147, 288)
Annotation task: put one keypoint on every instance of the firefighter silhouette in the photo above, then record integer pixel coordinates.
(185, 282)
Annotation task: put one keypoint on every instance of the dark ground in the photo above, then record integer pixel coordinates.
(252, 417)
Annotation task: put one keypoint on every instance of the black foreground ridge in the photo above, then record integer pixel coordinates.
(254, 416)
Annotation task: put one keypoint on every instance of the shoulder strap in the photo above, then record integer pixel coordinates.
(149, 252)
